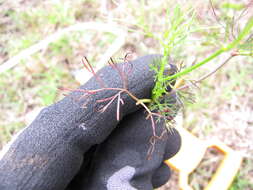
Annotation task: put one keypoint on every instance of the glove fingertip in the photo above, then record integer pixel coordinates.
(161, 176)
(173, 143)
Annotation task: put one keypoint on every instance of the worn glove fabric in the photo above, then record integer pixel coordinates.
(49, 152)
(121, 163)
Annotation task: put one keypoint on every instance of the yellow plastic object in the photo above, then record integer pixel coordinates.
(190, 155)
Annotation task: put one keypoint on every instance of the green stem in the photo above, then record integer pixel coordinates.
(189, 69)
(230, 46)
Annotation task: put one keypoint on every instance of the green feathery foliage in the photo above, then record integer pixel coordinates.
(175, 36)
(172, 40)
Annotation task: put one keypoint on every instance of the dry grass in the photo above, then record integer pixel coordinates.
(224, 103)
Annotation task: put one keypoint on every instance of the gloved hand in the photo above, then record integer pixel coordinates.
(121, 162)
(51, 151)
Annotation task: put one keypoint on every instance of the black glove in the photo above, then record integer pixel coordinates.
(123, 161)
(50, 152)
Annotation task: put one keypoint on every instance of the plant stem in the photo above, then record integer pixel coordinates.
(208, 74)
(230, 46)
(143, 101)
(190, 69)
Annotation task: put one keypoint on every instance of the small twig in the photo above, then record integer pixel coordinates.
(152, 142)
(105, 99)
(249, 38)
(215, 15)
(118, 106)
(89, 91)
(120, 71)
(244, 12)
(109, 103)
(215, 70)
(126, 56)
(143, 101)
(129, 68)
(208, 74)
(232, 27)
(89, 68)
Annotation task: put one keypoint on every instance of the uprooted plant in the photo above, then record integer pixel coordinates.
(124, 72)
(169, 80)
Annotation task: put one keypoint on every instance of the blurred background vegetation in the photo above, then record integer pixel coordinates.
(224, 102)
